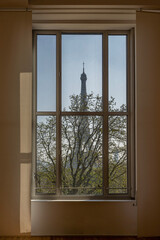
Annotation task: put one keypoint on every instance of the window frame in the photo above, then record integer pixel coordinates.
(130, 113)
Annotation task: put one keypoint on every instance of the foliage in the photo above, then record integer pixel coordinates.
(82, 150)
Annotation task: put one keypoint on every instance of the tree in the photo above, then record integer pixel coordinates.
(46, 155)
(82, 150)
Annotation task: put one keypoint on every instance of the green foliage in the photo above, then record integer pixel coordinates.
(46, 155)
(82, 150)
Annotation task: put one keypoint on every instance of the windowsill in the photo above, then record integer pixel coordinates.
(89, 200)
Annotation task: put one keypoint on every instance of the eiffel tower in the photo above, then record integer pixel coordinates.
(84, 124)
(83, 91)
(83, 145)
(83, 134)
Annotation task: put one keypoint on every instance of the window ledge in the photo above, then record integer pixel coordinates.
(133, 201)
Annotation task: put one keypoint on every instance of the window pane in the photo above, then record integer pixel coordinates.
(46, 73)
(81, 72)
(82, 155)
(46, 155)
(117, 154)
(117, 72)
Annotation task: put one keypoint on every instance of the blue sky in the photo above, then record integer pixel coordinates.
(46, 73)
(77, 49)
(117, 69)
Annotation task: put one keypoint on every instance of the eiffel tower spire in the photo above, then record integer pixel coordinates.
(83, 83)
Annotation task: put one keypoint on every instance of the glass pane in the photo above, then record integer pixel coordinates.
(46, 155)
(81, 72)
(117, 72)
(46, 73)
(118, 154)
(82, 155)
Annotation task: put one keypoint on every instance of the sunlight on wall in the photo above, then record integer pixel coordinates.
(25, 112)
(25, 214)
(25, 150)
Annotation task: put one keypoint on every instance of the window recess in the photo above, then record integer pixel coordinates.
(83, 120)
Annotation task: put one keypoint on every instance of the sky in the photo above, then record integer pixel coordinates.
(117, 69)
(76, 49)
(46, 73)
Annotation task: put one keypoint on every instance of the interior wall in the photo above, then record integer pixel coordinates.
(13, 3)
(148, 123)
(15, 58)
(84, 218)
(95, 2)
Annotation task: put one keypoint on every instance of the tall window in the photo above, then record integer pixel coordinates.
(83, 115)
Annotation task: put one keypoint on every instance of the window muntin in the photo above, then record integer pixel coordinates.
(106, 186)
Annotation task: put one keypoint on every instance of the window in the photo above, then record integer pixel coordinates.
(83, 115)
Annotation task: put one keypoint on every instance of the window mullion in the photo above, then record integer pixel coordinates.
(105, 111)
(131, 116)
(128, 117)
(34, 167)
(58, 115)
